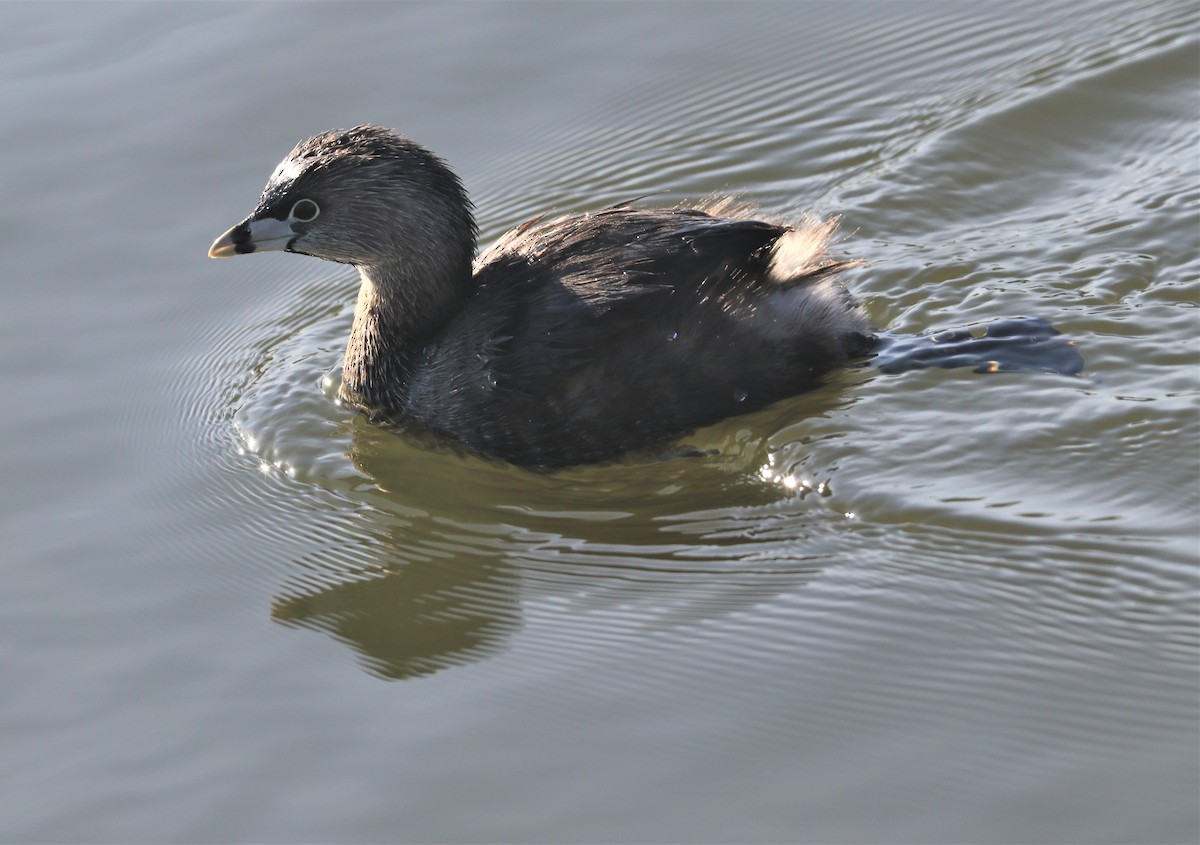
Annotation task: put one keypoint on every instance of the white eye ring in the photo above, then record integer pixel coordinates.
(305, 211)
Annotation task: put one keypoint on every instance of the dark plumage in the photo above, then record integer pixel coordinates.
(568, 341)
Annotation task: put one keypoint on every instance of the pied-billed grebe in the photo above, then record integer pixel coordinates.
(569, 341)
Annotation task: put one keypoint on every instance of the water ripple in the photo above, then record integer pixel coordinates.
(903, 559)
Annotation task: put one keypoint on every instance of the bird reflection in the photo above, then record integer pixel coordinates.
(414, 619)
(451, 545)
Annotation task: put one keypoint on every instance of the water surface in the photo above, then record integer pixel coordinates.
(930, 607)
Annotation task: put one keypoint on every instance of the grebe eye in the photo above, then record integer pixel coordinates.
(305, 210)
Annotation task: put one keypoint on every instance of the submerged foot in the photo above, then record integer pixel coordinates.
(1011, 345)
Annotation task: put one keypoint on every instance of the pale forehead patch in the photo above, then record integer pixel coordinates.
(287, 171)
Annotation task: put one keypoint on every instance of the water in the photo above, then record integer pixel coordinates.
(930, 607)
